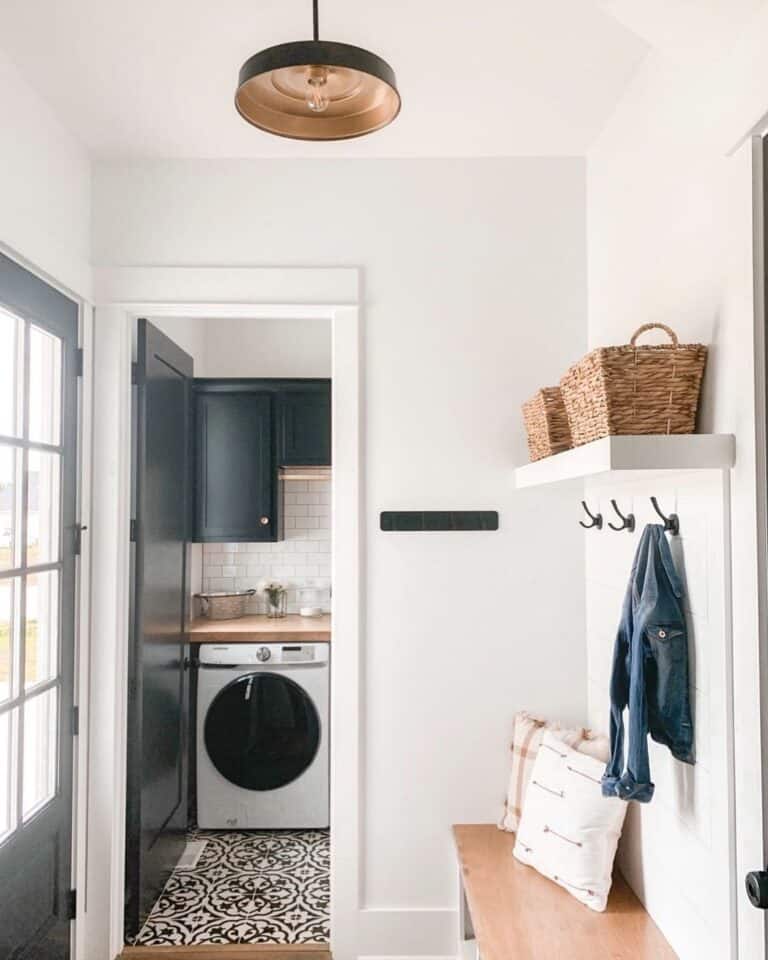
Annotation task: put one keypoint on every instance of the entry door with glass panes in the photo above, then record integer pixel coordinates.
(38, 542)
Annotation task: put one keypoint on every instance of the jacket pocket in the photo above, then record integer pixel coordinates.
(668, 642)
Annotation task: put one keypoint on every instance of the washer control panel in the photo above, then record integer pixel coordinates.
(267, 654)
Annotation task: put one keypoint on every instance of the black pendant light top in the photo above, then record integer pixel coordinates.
(317, 90)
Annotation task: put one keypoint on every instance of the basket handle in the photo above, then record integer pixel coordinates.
(655, 326)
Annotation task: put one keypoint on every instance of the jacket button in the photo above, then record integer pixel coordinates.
(662, 634)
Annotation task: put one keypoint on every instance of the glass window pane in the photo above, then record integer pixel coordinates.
(7, 773)
(44, 508)
(9, 636)
(41, 642)
(44, 386)
(40, 737)
(10, 352)
(10, 464)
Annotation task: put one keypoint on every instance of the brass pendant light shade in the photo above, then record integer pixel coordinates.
(317, 90)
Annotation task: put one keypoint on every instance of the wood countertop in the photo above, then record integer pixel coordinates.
(258, 628)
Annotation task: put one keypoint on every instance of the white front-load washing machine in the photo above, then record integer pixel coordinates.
(262, 736)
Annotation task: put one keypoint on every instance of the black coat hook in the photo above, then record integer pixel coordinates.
(671, 523)
(597, 519)
(627, 523)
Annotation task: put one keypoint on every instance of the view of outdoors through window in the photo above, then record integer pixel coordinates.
(30, 528)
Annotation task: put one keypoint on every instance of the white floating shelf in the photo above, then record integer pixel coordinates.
(698, 451)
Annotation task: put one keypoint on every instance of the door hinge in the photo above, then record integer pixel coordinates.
(79, 362)
(134, 373)
(79, 529)
(71, 904)
(132, 534)
(75, 721)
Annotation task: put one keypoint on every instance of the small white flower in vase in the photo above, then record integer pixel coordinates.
(276, 596)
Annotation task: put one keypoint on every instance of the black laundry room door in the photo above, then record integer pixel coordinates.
(158, 682)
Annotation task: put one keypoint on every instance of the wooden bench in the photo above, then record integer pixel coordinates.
(511, 912)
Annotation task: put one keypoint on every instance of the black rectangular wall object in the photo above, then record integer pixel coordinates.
(418, 521)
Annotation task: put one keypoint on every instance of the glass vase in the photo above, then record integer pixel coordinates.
(277, 606)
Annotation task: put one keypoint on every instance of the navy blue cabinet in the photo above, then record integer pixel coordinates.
(245, 430)
(235, 483)
(305, 437)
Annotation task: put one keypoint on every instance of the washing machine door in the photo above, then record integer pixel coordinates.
(262, 731)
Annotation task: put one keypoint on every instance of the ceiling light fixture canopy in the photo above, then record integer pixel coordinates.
(317, 90)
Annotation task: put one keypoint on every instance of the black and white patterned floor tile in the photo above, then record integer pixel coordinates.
(257, 887)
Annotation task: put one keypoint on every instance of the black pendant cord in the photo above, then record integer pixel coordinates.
(315, 20)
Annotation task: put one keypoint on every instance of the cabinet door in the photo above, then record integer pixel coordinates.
(306, 427)
(236, 475)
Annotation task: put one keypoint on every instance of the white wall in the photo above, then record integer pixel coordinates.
(254, 348)
(267, 348)
(474, 296)
(674, 850)
(44, 187)
(670, 239)
(189, 333)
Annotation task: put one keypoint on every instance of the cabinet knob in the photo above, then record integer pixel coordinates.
(757, 889)
(264, 521)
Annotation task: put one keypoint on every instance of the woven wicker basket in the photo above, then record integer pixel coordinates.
(225, 606)
(635, 390)
(546, 423)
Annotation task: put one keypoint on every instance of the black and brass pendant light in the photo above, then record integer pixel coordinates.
(317, 90)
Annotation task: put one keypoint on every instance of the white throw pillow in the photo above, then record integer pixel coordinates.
(569, 831)
(527, 733)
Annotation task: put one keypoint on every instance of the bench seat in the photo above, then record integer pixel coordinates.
(517, 914)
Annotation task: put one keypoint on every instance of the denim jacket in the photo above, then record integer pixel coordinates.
(650, 671)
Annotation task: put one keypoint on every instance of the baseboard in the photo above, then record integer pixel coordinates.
(406, 934)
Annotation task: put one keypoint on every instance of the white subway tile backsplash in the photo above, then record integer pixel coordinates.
(316, 557)
(217, 583)
(303, 546)
(302, 560)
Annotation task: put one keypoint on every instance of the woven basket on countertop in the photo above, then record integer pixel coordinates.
(225, 606)
(630, 389)
(546, 423)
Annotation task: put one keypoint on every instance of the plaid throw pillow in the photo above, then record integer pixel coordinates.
(527, 733)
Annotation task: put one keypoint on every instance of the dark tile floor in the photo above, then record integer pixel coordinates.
(255, 887)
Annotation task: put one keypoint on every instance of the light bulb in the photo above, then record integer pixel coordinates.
(317, 98)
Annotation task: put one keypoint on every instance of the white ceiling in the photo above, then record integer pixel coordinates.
(155, 78)
(674, 25)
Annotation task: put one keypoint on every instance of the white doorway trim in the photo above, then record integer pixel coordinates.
(247, 293)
